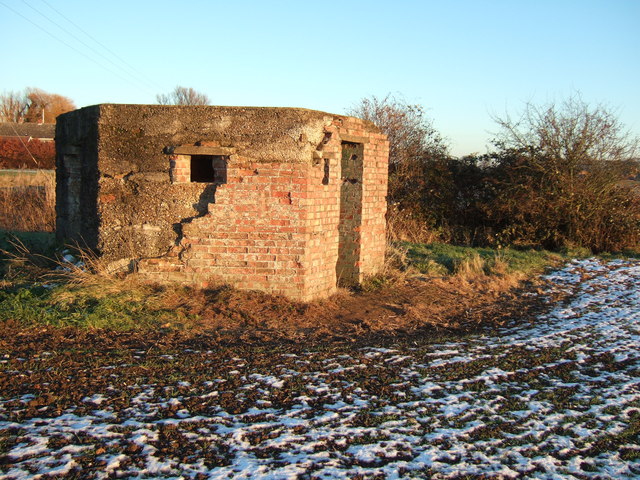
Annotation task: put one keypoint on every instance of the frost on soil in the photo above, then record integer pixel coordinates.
(555, 398)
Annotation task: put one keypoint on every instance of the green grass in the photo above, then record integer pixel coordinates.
(90, 306)
(623, 254)
(444, 259)
(95, 301)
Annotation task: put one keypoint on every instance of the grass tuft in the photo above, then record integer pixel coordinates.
(76, 289)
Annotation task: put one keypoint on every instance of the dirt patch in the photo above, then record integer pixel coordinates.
(419, 306)
(254, 325)
(413, 307)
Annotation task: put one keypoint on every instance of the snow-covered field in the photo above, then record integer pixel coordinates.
(558, 397)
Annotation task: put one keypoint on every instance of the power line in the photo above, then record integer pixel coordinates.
(135, 71)
(67, 44)
(142, 81)
(24, 145)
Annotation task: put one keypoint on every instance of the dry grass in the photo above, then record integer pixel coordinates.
(74, 266)
(27, 200)
(487, 276)
(28, 178)
(470, 268)
(80, 291)
(402, 226)
(396, 270)
(403, 299)
(19, 263)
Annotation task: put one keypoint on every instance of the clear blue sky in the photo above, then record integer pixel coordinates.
(464, 61)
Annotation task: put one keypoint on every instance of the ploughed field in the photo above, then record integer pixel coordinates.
(551, 396)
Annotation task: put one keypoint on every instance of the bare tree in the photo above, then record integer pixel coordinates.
(414, 147)
(13, 107)
(413, 142)
(33, 105)
(183, 96)
(411, 135)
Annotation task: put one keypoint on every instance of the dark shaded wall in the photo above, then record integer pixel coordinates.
(77, 176)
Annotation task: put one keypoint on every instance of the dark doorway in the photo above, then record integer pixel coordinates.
(347, 268)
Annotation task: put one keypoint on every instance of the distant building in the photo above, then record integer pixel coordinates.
(44, 132)
(285, 200)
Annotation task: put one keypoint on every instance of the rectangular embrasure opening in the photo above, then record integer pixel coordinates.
(208, 168)
(325, 178)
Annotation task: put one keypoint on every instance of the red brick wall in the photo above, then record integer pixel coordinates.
(275, 226)
(374, 204)
(372, 229)
(254, 234)
(322, 217)
(180, 171)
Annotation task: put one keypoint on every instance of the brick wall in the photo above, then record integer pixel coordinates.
(374, 205)
(366, 219)
(288, 228)
(322, 214)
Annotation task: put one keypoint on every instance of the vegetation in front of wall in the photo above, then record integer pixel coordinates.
(73, 288)
(445, 259)
(77, 289)
(12, 243)
(495, 268)
(27, 201)
(90, 307)
(37, 155)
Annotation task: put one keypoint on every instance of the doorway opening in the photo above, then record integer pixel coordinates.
(351, 163)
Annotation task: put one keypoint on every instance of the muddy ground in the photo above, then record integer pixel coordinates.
(425, 309)
(430, 379)
(415, 306)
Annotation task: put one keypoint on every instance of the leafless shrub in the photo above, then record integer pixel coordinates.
(413, 144)
(412, 140)
(559, 173)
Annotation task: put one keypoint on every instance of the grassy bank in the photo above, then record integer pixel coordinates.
(444, 259)
(35, 294)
